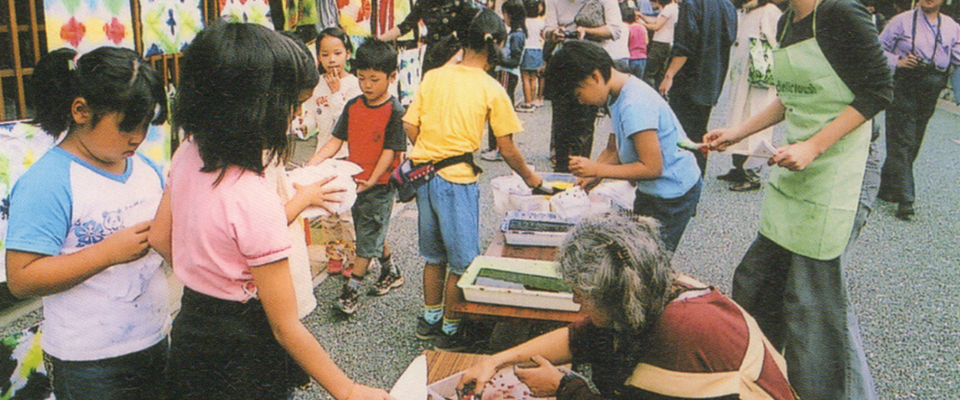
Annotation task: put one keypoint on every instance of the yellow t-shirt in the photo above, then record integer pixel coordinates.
(451, 108)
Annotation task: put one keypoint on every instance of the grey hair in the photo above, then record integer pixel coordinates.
(618, 262)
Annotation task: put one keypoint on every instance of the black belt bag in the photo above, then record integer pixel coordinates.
(408, 177)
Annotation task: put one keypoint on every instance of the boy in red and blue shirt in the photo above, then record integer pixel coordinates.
(372, 127)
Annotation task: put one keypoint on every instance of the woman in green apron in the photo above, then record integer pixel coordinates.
(831, 78)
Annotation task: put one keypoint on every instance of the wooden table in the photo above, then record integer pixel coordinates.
(441, 364)
(499, 248)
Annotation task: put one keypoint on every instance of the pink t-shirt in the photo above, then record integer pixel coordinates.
(220, 232)
(638, 42)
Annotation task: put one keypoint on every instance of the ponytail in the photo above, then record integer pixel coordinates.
(484, 34)
(54, 91)
(109, 79)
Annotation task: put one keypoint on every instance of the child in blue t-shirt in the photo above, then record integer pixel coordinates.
(79, 219)
(643, 146)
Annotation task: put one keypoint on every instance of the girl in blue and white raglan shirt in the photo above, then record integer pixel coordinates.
(79, 219)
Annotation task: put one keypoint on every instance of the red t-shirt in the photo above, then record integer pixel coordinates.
(368, 130)
(701, 334)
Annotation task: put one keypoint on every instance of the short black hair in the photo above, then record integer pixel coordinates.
(628, 14)
(518, 15)
(534, 8)
(575, 61)
(109, 79)
(376, 55)
(239, 86)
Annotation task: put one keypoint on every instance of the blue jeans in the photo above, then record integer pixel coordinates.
(673, 214)
(637, 66)
(449, 223)
(134, 376)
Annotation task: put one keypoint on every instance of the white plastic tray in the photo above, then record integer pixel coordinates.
(515, 297)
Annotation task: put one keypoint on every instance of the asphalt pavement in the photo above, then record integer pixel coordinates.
(903, 277)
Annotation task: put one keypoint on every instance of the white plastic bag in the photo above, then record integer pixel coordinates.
(343, 172)
(571, 203)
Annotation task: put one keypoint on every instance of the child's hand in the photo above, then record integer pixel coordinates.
(587, 184)
(317, 195)
(127, 244)
(316, 159)
(477, 377)
(720, 139)
(543, 380)
(363, 185)
(582, 167)
(333, 79)
(795, 157)
(361, 392)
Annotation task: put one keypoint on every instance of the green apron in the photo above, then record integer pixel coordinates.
(811, 212)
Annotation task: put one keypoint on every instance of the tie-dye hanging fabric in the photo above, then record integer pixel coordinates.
(408, 77)
(355, 16)
(169, 25)
(87, 24)
(22, 144)
(328, 14)
(251, 11)
(299, 12)
(389, 13)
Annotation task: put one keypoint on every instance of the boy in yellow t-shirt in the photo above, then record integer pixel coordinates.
(447, 119)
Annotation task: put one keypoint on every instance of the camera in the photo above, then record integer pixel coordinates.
(924, 64)
(571, 33)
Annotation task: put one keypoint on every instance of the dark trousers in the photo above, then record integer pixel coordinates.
(134, 376)
(693, 118)
(673, 214)
(803, 308)
(572, 130)
(658, 56)
(509, 82)
(914, 101)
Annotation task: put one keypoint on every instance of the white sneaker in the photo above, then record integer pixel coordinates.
(491, 155)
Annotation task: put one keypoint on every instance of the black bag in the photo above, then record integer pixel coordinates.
(408, 177)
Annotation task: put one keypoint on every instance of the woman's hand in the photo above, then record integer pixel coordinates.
(583, 167)
(479, 374)
(721, 139)
(543, 380)
(361, 392)
(317, 195)
(665, 85)
(910, 61)
(795, 157)
(333, 79)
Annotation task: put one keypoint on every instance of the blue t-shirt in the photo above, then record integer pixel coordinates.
(62, 205)
(639, 108)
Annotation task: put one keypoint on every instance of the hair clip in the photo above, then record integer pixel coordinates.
(72, 63)
(487, 36)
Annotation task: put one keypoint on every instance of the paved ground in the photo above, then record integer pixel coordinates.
(903, 277)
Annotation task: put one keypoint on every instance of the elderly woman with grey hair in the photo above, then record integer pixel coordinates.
(647, 332)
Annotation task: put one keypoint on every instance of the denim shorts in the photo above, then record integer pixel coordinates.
(371, 219)
(449, 223)
(673, 214)
(134, 376)
(532, 60)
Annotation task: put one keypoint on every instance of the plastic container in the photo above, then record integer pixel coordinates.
(560, 301)
(535, 229)
(511, 194)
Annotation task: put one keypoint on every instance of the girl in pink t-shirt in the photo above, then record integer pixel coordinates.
(238, 334)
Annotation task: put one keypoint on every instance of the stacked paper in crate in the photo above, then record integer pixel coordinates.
(517, 282)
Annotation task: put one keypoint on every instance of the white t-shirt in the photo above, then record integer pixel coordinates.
(671, 12)
(534, 28)
(62, 205)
